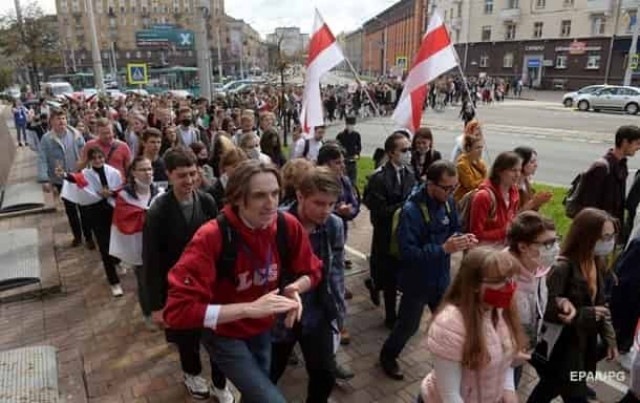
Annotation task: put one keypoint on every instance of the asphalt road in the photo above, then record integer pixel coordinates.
(567, 141)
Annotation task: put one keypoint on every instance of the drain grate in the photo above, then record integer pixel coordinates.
(29, 374)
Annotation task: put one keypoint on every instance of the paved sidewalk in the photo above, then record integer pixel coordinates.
(107, 355)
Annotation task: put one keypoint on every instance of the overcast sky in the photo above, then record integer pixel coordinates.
(265, 15)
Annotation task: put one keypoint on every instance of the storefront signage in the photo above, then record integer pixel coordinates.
(578, 50)
(533, 63)
(548, 63)
(534, 48)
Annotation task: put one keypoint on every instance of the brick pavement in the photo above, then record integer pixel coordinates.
(107, 355)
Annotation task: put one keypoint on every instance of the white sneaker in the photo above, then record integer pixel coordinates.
(626, 360)
(223, 395)
(197, 386)
(116, 291)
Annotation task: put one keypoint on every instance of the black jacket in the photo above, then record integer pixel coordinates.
(383, 201)
(577, 346)
(351, 142)
(607, 186)
(166, 234)
(421, 171)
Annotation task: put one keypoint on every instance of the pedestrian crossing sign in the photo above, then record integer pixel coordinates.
(137, 73)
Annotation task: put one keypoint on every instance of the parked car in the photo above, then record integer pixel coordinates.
(568, 100)
(619, 98)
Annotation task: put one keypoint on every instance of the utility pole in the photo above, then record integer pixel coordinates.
(219, 52)
(607, 70)
(242, 52)
(203, 52)
(384, 53)
(632, 50)
(95, 47)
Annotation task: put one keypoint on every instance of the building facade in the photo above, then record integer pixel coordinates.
(545, 43)
(247, 52)
(293, 43)
(158, 32)
(352, 44)
(392, 38)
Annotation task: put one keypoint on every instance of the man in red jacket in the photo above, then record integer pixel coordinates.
(241, 305)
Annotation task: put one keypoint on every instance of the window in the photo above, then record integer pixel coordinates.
(507, 61)
(486, 33)
(597, 25)
(148, 54)
(537, 30)
(138, 54)
(510, 32)
(568, 3)
(127, 55)
(459, 10)
(632, 20)
(561, 61)
(121, 10)
(484, 61)
(565, 28)
(541, 3)
(112, 23)
(445, 15)
(488, 6)
(593, 61)
(513, 4)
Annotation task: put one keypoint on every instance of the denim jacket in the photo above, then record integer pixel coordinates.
(51, 151)
(327, 242)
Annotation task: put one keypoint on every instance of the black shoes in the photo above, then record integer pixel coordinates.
(91, 245)
(391, 368)
(373, 293)
(348, 264)
(348, 295)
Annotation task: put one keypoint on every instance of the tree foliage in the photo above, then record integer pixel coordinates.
(35, 43)
(6, 77)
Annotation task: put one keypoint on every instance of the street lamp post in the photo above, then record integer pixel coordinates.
(632, 50)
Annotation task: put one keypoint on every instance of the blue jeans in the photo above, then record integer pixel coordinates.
(246, 363)
(21, 132)
(408, 323)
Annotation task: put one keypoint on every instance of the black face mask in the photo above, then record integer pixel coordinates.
(186, 122)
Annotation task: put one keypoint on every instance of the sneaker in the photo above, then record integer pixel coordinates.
(348, 295)
(197, 386)
(342, 374)
(626, 360)
(223, 395)
(348, 264)
(116, 290)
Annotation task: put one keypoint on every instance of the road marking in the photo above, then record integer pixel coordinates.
(355, 252)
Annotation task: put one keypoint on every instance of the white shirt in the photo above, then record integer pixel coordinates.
(314, 148)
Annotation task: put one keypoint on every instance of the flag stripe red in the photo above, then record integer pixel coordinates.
(417, 102)
(433, 43)
(319, 42)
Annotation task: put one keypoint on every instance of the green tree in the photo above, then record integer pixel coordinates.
(6, 77)
(32, 43)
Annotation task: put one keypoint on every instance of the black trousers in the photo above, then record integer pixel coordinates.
(549, 388)
(351, 168)
(144, 304)
(188, 344)
(100, 215)
(79, 223)
(317, 350)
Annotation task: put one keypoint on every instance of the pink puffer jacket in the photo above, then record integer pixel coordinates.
(446, 339)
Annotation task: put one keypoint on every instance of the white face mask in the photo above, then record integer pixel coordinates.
(224, 179)
(405, 158)
(603, 248)
(548, 256)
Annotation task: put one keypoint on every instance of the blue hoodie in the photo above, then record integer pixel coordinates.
(423, 260)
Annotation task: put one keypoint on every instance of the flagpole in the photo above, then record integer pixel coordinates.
(357, 77)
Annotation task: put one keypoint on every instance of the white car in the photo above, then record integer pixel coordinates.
(569, 99)
(618, 98)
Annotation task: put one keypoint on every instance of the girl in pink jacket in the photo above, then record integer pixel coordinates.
(476, 334)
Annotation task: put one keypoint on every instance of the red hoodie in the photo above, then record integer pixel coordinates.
(489, 230)
(193, 284)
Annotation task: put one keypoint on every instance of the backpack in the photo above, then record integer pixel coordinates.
(573, 200)
(394, 248)
(307, 145)
(464, 207)
(226, 263)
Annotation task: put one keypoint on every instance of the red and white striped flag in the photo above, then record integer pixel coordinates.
(436, 56)
(324, 54)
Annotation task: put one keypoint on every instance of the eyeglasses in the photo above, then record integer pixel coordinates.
(548, 245)
(447, 189)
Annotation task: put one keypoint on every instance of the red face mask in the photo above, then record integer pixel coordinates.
(500, 297)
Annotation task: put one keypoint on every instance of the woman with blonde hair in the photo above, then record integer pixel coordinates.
(476, 336)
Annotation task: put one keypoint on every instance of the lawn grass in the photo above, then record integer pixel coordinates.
(554, 209)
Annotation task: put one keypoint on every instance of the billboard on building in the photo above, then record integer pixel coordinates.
(165, 35)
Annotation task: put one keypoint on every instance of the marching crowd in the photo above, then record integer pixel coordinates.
(240, 249)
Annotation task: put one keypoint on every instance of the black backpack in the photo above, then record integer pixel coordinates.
(226, 262)
(573, 200)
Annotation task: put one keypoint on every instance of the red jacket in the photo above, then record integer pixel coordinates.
(486, 229)
(193, 284)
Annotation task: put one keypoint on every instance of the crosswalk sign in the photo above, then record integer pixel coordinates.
(137, 73)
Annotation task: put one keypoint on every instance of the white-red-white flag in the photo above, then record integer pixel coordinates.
(324, 54)
(436, 56)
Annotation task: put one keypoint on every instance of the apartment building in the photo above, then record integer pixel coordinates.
(158, 32)
(292, 42)
(546, 43)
